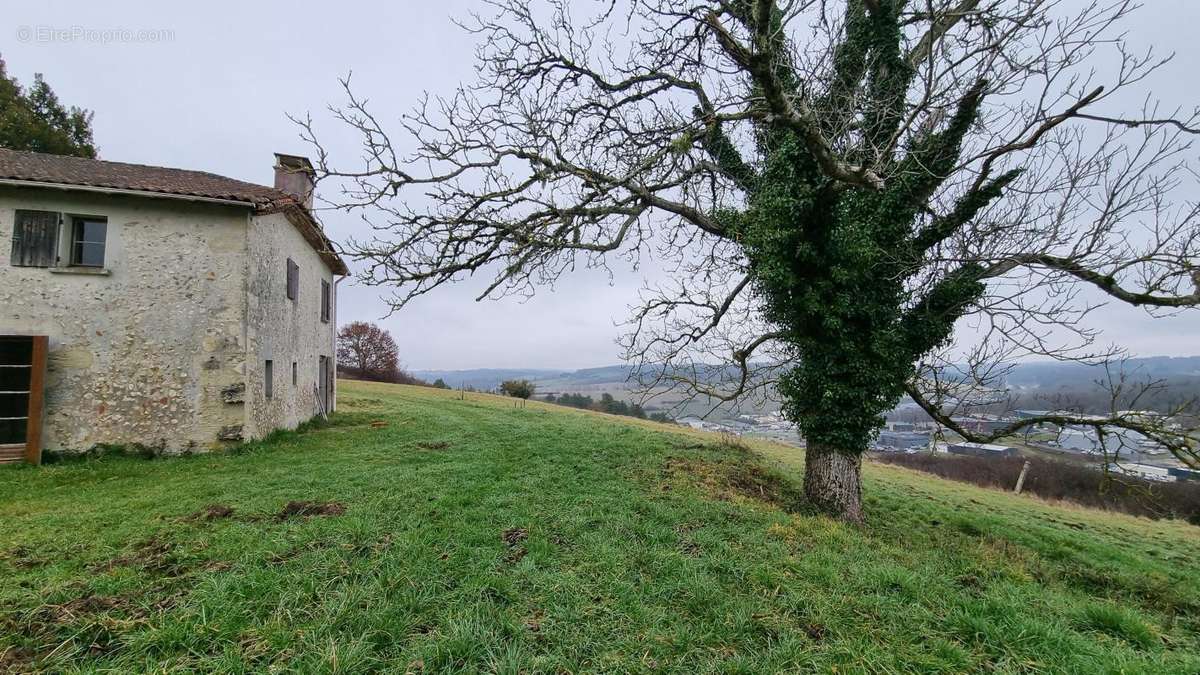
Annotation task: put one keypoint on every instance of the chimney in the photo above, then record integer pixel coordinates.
(295, 175)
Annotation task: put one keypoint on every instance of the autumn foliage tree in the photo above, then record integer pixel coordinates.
(836, 185)
(367, 351)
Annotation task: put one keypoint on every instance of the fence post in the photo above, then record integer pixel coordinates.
(1021, 478)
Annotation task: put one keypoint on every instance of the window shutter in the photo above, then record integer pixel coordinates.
(35, 238)
(293, 279)
(324, 301)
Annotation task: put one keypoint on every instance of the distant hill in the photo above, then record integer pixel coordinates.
(1035, 375)
(1035, 384)
(1056, 375)
(486, 378)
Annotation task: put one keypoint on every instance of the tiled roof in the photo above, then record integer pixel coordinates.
(94, 173)
(35, 166)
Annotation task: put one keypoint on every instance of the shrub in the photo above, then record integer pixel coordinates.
(517, 388)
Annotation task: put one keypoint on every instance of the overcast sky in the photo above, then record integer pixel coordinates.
(209, 85)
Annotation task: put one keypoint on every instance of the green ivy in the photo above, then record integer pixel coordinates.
(831, 264)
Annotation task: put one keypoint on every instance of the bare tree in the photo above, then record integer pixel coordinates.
(835, 186)
(368, 351)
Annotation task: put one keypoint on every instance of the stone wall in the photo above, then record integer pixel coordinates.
(150, 352)
(282, 330)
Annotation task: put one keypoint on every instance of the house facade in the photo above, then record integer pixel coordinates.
(183, 310)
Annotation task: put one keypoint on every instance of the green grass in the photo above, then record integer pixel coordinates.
(481, 537)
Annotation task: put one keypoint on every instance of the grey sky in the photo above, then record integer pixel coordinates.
(212, 92)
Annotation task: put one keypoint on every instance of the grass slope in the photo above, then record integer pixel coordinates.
(474, 536)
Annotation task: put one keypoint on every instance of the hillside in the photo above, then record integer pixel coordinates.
(1033, 384)
(1034, 374)
(418, 532)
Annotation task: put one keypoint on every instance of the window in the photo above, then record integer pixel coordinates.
(324, 301)
(35, 238)
(295, 375)
(293, 279)
(269, 379)
(87, 241)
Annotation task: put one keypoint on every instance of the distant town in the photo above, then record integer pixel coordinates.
(1122, 451)
(909, 430)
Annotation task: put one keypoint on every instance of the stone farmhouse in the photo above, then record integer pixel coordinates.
(168, 309)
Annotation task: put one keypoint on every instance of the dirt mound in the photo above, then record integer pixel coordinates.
(23, 557)
(155, 555)
(733, 479)
(89, 604)
(211, 512)
(307, 509)
(515, 538)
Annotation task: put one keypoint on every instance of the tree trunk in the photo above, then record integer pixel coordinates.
(833, 482)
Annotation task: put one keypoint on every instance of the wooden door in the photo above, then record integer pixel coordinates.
(22, 384)
(323, 384)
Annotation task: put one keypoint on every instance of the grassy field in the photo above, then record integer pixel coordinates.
(466, 536)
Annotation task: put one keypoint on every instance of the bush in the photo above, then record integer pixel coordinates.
(517, 388)
(1062, 480)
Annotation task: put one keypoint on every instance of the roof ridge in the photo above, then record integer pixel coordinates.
(37, 168)
(74, 158)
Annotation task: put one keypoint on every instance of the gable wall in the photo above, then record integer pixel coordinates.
(283, 330)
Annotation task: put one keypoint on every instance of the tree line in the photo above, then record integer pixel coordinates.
(606, 404)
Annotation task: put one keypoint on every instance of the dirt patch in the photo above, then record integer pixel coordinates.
(17, 660)
(514, 538)
(733, 480)
(211, 512)
(306, 509)
(378, 424)
(515, 535)
(433, 445)
(24, 558)
(90, 622)
(154, 555)
(71, 612)
(76, 619)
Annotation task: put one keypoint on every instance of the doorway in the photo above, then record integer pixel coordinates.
(22, 380)
(323, 384)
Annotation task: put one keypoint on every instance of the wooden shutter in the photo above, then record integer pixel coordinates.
(324, 301)
(35, 238)
(293, 279)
